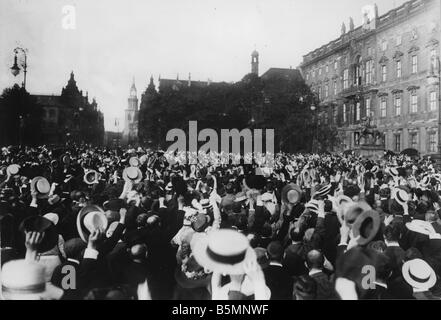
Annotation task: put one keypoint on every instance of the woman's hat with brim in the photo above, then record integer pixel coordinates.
(41, 186)
(52, 217)
(25, 280)
(134, 162)
(419, 274)
(366, 226)
(90, 218)
(191, 283)
(291, 193)
(132, 174)
(41, 224)
(401, 196)
(91, 177)
(13, 169)
(225, 251)
(353, 211)
(420, 226)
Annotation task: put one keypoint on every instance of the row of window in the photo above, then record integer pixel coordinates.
(369, 69)
(413, 141)
(368, 110)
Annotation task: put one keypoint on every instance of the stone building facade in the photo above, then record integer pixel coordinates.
(380, 70)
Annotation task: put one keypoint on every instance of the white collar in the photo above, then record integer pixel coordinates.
(275, 263)
(392, 244)
(380, 284)
(314, 271)
(73, 260)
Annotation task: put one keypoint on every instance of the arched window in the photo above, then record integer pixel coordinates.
(358, 72)
(129, 118)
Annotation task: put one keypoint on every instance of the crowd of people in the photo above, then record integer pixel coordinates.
(79, 222)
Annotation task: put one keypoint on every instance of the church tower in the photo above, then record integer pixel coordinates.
(255, 62)
(130, 133)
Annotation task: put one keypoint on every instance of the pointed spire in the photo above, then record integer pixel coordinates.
(189, 79)
(343, 28)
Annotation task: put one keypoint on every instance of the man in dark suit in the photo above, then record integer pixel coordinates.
(394, 252)
(325, 288)
(277, 278)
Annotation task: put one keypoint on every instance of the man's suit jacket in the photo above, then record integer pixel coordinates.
(279, 282)
(325, 287)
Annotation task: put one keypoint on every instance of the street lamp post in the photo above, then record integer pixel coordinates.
(15, 69)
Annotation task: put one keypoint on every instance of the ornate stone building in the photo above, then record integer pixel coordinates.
(380, 71)
(71, 117)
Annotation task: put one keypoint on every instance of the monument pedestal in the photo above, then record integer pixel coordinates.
(369, 151)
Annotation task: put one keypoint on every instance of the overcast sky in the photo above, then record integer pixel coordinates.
(116, 40)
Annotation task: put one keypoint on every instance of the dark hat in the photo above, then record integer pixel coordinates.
(41, 224)
(255, 182)
(291, 193)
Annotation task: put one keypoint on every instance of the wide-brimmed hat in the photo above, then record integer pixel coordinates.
(419, 274)
(13, 169)
(89, 218)
(65, 158)
(25, 280)
(420, 226)
(425, 182)
(393, 172)
(132, 174)
(52, 217)
(291, 193)
(366, 226)
(200, 222)
(41, 186)
(134, 162)
(375, 169)
(400, 195)
(224, 251)
(353, 211)
(41, 224)
(91, 177)
(192, 275)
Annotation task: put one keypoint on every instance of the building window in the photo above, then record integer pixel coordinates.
(325, 116)
(346, 79)
(369, 66)
(368, 107)
(356, 138)
(335, 64)
(313, 73)
(345, 115)
(327, 68)
(399, 69)
(335, 115)
(320, 71)
(307, 76)
(383, 108)
(414, 64)
(397, 105)
(335, 88)
(384, 45)
(358, 73)
(399, 40)
(397, 142)
(414, 141)
(432, 104)
(432, 142)
(52, 113)
(357, 111)
(413, 102)
(326, 90)
(384, 73)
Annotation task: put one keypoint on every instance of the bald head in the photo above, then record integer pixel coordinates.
(315, 259)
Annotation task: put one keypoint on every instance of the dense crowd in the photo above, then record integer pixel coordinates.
(80, 222)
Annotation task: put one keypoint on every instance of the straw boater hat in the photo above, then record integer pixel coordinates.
(394, 172)
(42, 186)
(91, 177)
(90, 218)
(132, 174)
(13, 169)
(134, 162)
(420, 226)
(224, 251)
(25, 280)
(425, 182)
(366, 226)
(323, 191)
(401, 196)
(291, 193)
(419, 274)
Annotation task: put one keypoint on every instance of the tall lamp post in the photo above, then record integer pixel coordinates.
(15, 69)
(435, 79)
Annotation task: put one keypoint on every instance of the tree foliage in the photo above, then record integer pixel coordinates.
(279, 103)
